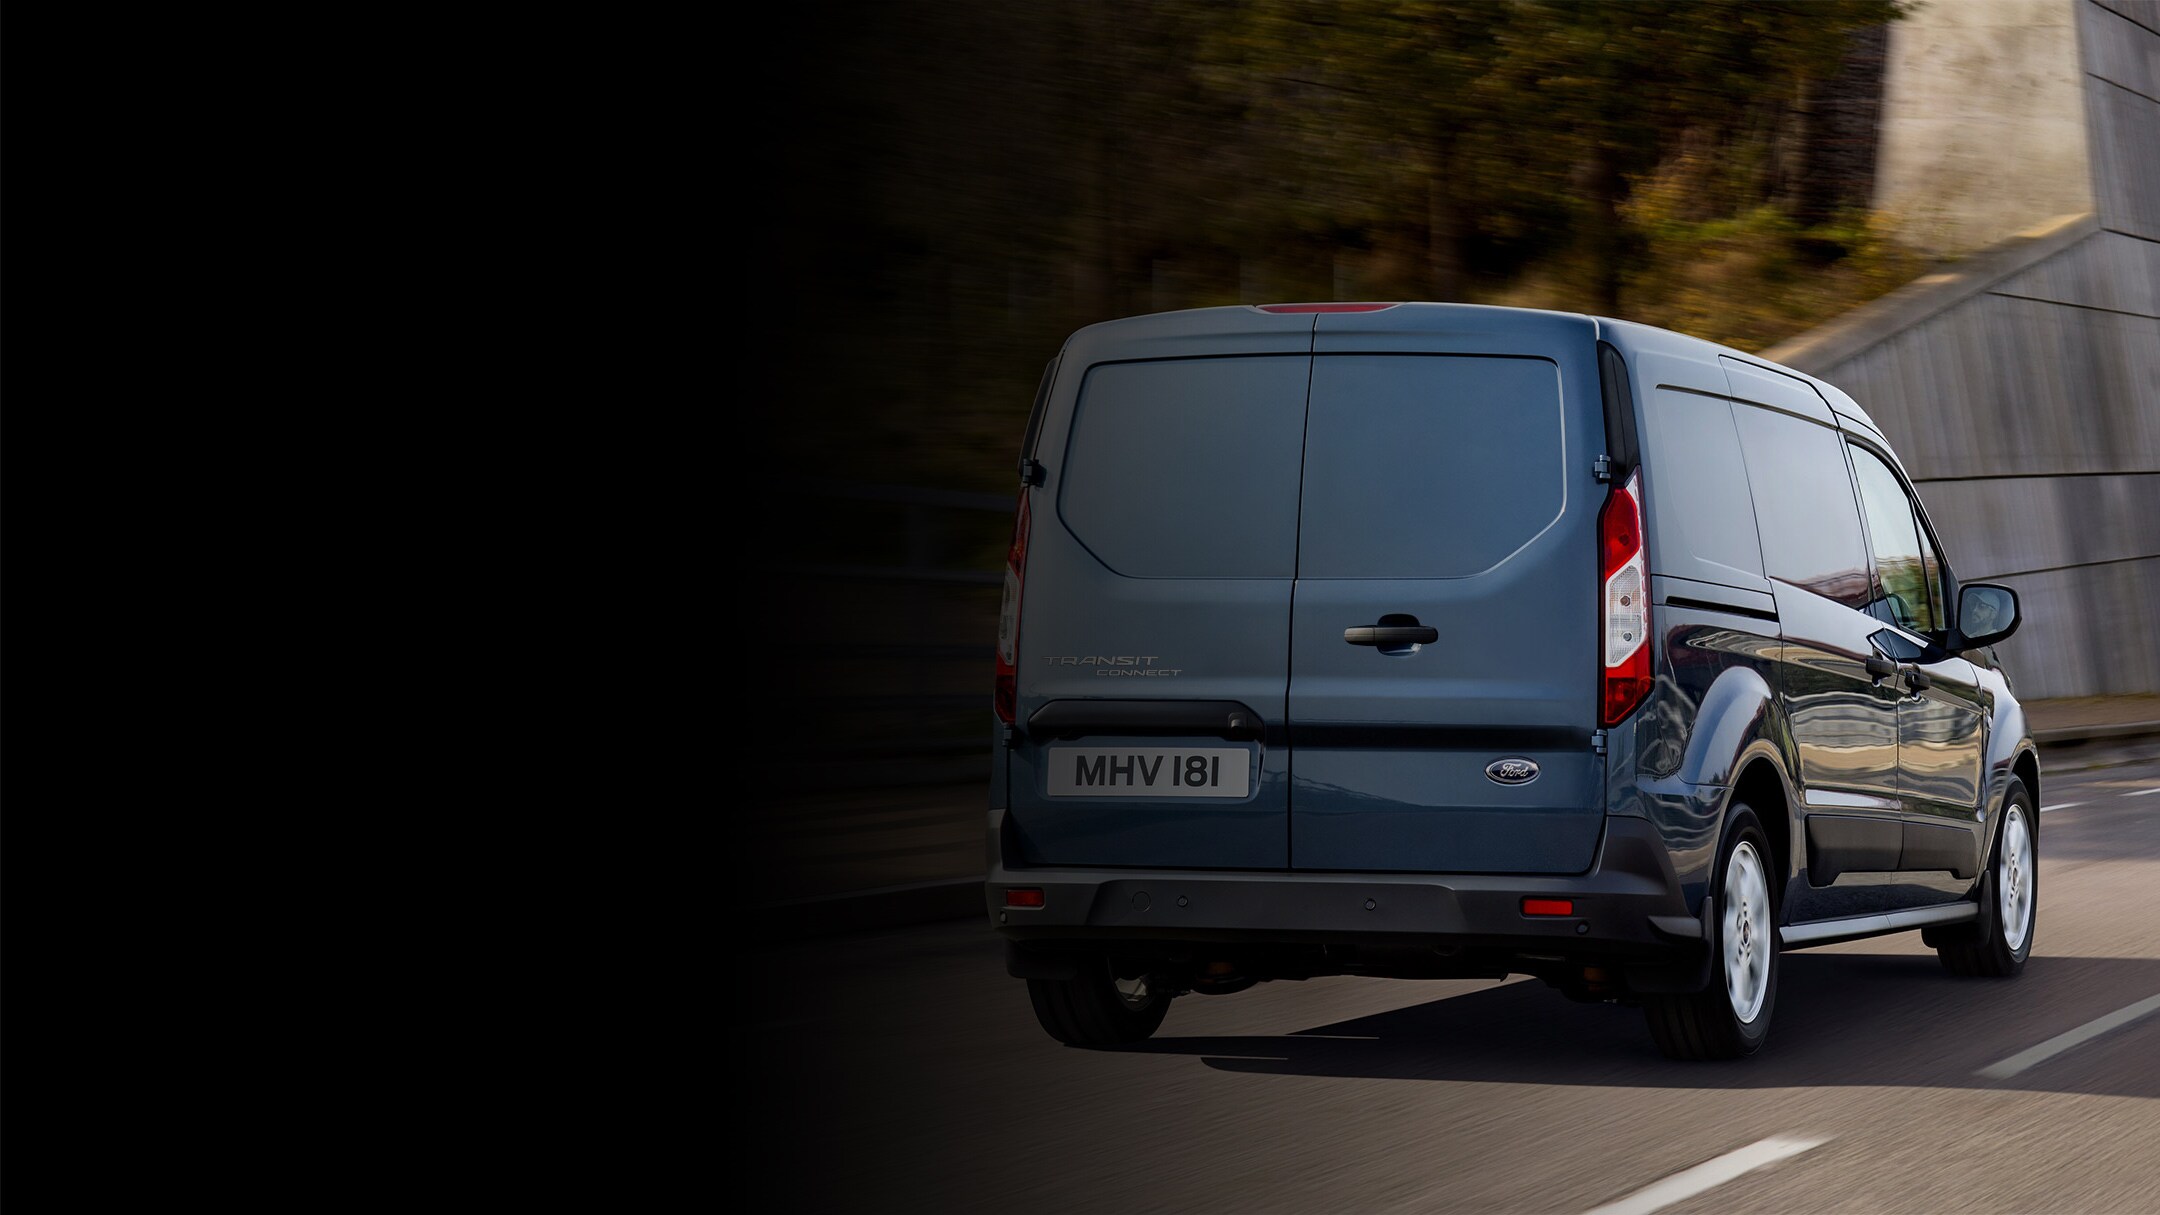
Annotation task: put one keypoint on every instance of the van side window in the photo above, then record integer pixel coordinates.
(1907, 593)
(1804, 508)
(1700, 522)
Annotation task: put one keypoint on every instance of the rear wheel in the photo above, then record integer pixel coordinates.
(1098, 1008)
(1997, 942)
(1731, 1017)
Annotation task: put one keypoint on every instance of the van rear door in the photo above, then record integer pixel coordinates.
(1445, 611)
(1155, 611)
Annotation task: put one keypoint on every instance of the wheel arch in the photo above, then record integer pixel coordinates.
(1760, 782)
(1736, 716)
(2025, 769)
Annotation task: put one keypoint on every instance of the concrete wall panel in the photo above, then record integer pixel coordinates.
(2143, 12)
(2125, 132)
(2001, 386)
(2087, 631)
(2002, 525)
(2117, 49)
(2112, 271)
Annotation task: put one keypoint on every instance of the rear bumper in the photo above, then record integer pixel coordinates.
(1628, 905)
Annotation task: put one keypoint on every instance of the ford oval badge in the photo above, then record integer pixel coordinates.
(1512, 771)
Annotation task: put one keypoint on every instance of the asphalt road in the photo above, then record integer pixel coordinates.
(902, 1071)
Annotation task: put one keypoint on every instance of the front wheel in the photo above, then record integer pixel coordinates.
(1731, 1017)
(1997, 942)
(1098, 1008)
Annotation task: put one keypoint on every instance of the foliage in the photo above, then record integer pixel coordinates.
(976, 178)
(1752, 280)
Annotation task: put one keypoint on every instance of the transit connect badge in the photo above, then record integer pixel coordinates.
(1512, 771)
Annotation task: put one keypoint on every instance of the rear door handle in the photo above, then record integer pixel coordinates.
(1391, 634)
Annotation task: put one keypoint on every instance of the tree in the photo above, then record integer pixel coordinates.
(1596, 95)
(1371, 102)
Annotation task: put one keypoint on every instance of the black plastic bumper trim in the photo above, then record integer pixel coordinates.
(1618, 904)
(1080, 718)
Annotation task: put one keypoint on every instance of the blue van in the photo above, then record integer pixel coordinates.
(1432, 640)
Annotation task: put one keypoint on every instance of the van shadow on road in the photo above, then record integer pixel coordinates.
(1841, 1019)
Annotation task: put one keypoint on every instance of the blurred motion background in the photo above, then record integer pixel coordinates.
(1951, 210)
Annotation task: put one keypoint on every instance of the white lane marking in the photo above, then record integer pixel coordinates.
(2060, 806)
(2076, 1037)
(2144, 792)
(1709, 1174)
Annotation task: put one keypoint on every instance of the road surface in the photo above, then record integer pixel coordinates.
(902, 1071)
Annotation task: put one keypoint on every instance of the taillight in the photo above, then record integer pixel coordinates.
(1627, 603)
(1007, 695)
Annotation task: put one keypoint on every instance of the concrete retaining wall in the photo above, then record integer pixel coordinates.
(2022, 389)
(1983, 121)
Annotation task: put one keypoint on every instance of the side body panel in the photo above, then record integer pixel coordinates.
(1941, 739)
(1843, 716)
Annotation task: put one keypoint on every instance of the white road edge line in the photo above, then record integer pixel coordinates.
(1709, 1174)
(2144, 792)
(2076, 1037)
(2060, 806)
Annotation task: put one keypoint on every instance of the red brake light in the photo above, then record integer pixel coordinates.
(1007, 694)
(1548, 907)
(1625, 591)
(1323, 307)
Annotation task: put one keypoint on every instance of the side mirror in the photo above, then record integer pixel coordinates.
(1986, 613)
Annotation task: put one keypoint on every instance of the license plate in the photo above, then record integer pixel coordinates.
(1150, 772)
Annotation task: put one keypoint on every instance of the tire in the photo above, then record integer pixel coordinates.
(1729, 1019)
(1098, 1009)
(1997, 942)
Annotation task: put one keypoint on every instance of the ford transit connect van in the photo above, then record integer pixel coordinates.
(1432, 640)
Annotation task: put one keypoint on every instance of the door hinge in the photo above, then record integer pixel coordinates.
(1007, 735)
(1597, 741)
(1601, 468)
(1031, 472)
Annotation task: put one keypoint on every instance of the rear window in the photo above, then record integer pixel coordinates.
(1188, 468)
(1428, 466)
